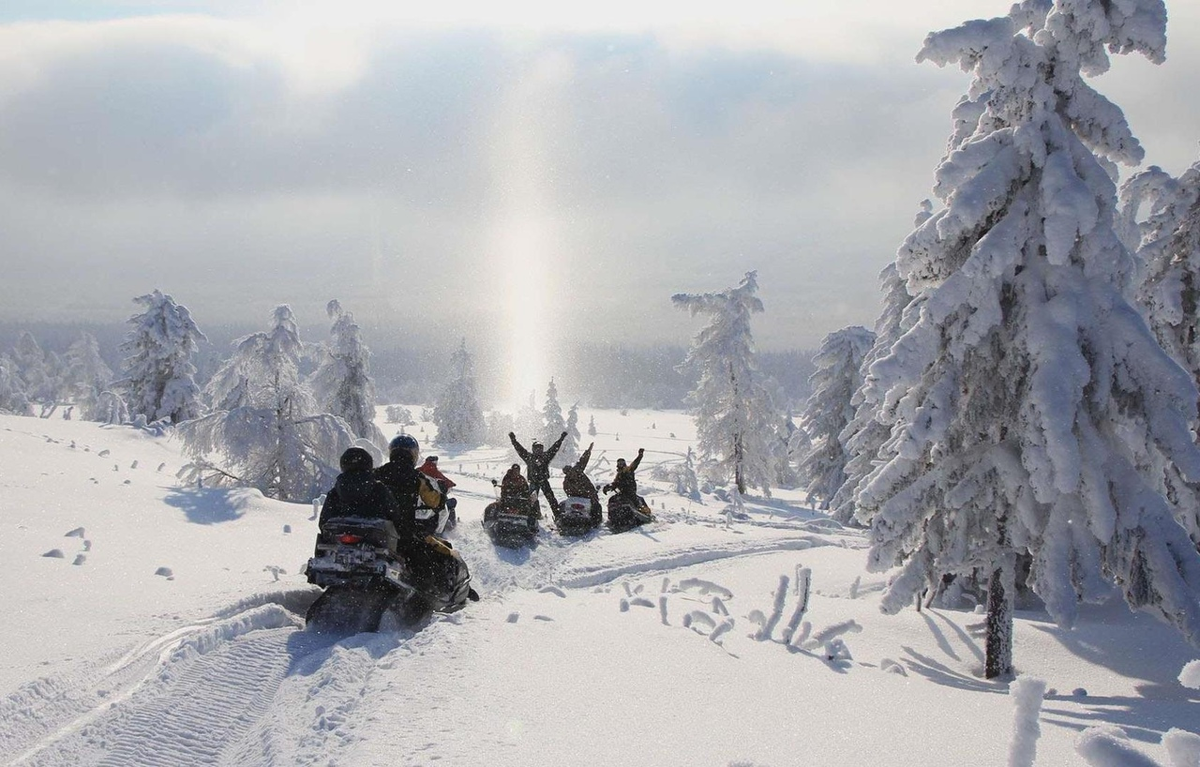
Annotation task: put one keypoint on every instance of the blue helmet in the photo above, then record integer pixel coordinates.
(406, 443)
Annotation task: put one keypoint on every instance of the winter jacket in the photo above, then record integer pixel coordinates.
(537, 466)
(413, 490)
(576, 483)
(431, 470)
(360, 494)
(625, 483)
(514, 485)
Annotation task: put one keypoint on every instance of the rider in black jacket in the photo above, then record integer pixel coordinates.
(537, 466)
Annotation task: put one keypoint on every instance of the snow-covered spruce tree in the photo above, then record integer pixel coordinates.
(530, 423)
(569, 451)
(731, 404)
(1170, 290)
(1169, 296)
(265, 427)
(342, 383)
(156, 377)
(12, 389)
(829, 409)
(39, 379)
(88, 376)
(1031, 408)
(552, 415)
(591, 430)
(458, 415)
(865, 434)
(1151, 188)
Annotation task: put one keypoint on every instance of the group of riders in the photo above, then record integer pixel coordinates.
(414, 499)
(520, 494)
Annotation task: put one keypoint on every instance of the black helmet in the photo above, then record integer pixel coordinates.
(356, 459)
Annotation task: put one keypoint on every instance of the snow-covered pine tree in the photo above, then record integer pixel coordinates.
(12, 389)
(553, 423)
(458, 415)
(570, 446)
(1031, 408)
(865, 434)
(1152, 188)
(342, 383)
(156, 377)
(1169, 296)
(829, 409)
(530, 424)
(731, 404)
(1170, 290)
(265, 427)
(88, 375)
(591, 426)
(499, 424)
(34, 368)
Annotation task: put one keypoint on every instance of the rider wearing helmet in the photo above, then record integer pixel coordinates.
(537, 466)
(434, 563)
(357, 492)
(416, 493)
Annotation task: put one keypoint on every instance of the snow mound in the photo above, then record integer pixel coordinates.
(1190, 676)
(54, 554)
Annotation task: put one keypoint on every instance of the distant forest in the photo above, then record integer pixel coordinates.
(597, 375)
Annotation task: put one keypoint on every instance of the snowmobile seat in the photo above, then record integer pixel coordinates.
(374, 532)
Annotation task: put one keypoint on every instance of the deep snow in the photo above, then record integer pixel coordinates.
(169, 632)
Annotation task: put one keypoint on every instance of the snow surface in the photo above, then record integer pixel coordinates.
(707, 637)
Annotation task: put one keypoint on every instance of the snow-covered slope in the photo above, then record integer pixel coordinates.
(169, 632)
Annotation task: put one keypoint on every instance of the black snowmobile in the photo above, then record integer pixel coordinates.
(513, 522)
(367, 582)
(576, 516)
(624, 514)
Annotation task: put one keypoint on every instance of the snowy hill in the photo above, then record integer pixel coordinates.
(152, 624)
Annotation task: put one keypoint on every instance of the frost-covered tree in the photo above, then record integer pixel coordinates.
(12, 389)
(499, 424)
(87, 375)
(1153, 189)
(157, 375)
(458, 415)
(529, 423)
(732, 405)
(1031, 408)
(399, 415)
(38, 377)
(570, 446)
(1170, 290)
(552, 415)
(265, 428)
(110, 409)
(591, 426)
(866, 433)
(342, 383)
(830, 408)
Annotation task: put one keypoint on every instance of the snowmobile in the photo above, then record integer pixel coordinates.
(367, 581)
(576, 517)
(624, 514)
(513, 522)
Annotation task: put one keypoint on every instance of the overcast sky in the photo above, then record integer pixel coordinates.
(443, 168)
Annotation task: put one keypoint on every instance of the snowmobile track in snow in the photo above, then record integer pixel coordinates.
(184, 698)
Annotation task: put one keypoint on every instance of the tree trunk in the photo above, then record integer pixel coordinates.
(1000, 619)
